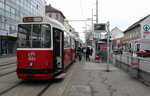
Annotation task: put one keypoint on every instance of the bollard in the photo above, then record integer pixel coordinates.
(134, 61)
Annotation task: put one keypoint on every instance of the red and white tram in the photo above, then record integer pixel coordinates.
(45, 48)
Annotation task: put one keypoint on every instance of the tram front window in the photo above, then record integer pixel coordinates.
(34, 36)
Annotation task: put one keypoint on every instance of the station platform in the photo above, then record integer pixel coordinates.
(89, 78)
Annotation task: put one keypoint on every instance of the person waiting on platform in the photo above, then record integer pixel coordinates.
(79, 53)
(88, 52)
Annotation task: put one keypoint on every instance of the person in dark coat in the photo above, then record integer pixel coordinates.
(79, 53)
(88, 52)
(91, 51)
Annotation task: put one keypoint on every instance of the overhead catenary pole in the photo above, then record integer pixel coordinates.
(96, 47)
(96, 11)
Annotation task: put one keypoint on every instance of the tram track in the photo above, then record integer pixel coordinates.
(10, 88)
(7, 69)
(7, 73)
(45, 89)
(6, 64)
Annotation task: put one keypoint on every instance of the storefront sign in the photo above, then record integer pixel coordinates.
(13, 34)
(145, 31)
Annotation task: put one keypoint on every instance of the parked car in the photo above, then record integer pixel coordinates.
(144, 53)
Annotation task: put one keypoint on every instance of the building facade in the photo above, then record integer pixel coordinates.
(10, 13)
(54, 13)
(117, 39)
(59, 16)
(137, 36)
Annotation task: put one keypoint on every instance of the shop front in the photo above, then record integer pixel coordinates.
(7, 45)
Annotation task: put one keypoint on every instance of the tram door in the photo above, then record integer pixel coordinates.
(58, 51)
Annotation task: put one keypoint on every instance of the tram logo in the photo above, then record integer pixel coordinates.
(31, 54)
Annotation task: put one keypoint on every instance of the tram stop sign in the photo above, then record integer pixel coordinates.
(101, 27)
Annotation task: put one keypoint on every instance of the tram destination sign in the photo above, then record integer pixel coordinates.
(32, 19)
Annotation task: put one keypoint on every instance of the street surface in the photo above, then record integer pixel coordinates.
(84, 78)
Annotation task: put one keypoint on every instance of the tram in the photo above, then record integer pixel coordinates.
(45, 48)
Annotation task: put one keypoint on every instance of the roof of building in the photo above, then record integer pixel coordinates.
(136, 24)
(50, 9)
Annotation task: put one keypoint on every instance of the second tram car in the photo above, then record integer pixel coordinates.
(45, 48)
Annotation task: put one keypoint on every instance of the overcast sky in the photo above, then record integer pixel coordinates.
(120, 13)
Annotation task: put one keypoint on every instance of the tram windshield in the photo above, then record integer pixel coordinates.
(34, 36)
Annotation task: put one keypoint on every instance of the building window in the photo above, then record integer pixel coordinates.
(2, 12)
(13, 1)
(2, 0)
(1, 5)
(7, 27)
(12, 11)
(50, 15)
(57, 16)
(7, 8)
(3, 26)
(7, 14)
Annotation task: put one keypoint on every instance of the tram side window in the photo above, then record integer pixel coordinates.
(65, 40)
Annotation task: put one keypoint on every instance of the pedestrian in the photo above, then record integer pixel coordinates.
(84, 52)
(91, 50)
(120, 51)
(88, 54)
(79, 53)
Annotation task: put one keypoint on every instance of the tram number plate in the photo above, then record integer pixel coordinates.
(31, 58)
(29, 75)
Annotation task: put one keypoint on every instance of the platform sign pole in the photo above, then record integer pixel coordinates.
(108, 33)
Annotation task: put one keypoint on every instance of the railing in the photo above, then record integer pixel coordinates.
(143, 64)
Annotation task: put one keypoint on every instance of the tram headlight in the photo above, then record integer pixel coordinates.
(31, 64)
